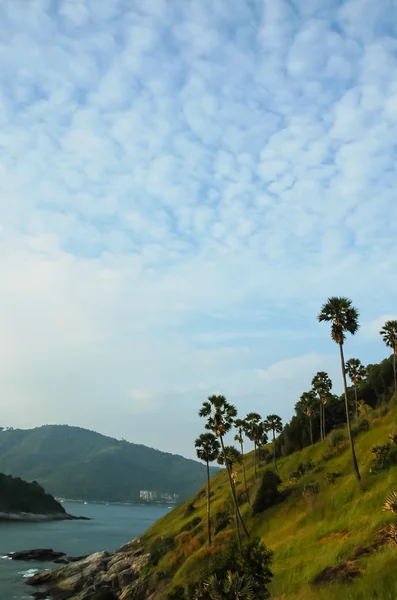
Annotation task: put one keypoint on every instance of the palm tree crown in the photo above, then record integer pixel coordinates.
(307, 403)
(220, 414)
(355, 370)
(389, 334)
(273, 423)
(232, 455)
(322, 384)
(343, 316)
(207, 447)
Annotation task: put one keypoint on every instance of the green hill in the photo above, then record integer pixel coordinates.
(18, 496)
(71, 462)
(340, 526)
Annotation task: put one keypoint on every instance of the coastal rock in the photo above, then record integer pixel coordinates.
(40, 555)
(117, 572)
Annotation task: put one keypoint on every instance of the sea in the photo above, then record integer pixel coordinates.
(111, 527)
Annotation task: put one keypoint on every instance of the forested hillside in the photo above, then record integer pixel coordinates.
(76, 463)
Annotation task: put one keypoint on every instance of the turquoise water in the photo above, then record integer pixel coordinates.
(111, 527)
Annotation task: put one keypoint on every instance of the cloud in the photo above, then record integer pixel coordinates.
(182, 184)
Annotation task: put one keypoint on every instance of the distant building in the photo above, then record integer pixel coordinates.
(150, 496)
(147, 495)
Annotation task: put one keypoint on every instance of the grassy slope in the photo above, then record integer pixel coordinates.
(306, 537)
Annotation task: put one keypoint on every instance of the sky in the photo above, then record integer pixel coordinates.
(183, 183)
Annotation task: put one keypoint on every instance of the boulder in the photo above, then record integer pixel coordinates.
(40, 555)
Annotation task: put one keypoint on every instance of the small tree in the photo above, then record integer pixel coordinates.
(207, 449)
(389, 334)
(268, 493)
(239, 437)
(274, 424)
(356, 372)
(343, 317)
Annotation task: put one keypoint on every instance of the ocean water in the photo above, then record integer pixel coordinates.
(111, 527)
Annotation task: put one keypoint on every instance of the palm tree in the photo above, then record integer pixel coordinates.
(207, 449)
(356, 372)
(274, 424)
(389, 334)
(261, 438)
(322, 384)
(343, 317)
(233, 587)
(220, 415)
(308, 402)
(239, 437)
(253, 431)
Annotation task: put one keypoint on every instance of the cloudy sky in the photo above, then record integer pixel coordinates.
(182, 185)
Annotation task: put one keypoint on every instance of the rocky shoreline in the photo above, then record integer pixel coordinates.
(25, 516)
(119, 573)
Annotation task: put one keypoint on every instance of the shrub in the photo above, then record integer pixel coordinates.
(268, 493)
(362, 425)
(385, 457)
(336, 437)
(160, 547)
(190, 509)
(330, 477)
(191, 524)
(177, 593)
(221, 520)
(310, 490)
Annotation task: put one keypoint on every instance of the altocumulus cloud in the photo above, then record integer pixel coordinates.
(182, 184)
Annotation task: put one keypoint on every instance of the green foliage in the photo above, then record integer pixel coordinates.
(71, 462)
(177, 593)
(160, 547)
(222, 519)
(336, 437)
(191, 524)
(17, 495)
(311, 489)
(268, 493)
(362, 425)
(385, 457)
(331, 477)
(190, 508)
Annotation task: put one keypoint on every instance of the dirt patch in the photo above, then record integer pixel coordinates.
(344, 572)
(343, 534)
(347, 570)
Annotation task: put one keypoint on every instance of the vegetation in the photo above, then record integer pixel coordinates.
(207, 449)
(17, 496)
(71, 462)
(389, 334)
(274, 424)
(356, 372)
(344, 319)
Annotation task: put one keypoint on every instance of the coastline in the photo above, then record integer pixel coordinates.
(32, 517)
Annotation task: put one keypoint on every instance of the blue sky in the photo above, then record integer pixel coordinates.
(182, 185)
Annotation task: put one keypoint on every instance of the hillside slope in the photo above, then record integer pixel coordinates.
(76, 463)
(340, 525)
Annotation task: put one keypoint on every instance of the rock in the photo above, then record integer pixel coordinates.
(104, 594)
(40, 595)
(40, 555)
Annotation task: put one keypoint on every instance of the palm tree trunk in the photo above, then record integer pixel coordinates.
(355, 464)
(245, 479)
(208, 504)
(356, 399)
(323, 421)
(233, 490)
(311, 430)
(256, 475)
(395, 371)
(274, 452)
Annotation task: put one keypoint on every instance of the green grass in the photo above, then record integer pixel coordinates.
(305, 535)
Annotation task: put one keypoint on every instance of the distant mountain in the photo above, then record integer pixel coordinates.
(71, 462)
(18, 496)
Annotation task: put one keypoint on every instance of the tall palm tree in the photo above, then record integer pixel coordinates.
(253, 431)
(343, 317)
(220, 415)
(389, 334)
(239, 437)
(307, 404)
(322, 384)
(274, 424)
(207, 449)
(261, 438)
(356, 372)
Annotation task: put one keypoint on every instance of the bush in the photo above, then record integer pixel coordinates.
(191, 524)
(221, 520)
(268, 494)
(385, 457)
(160, 547)
(177, 593)
(310, 489)
(336, 437)
(330, 477)
(190, 509)
(362, 425)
